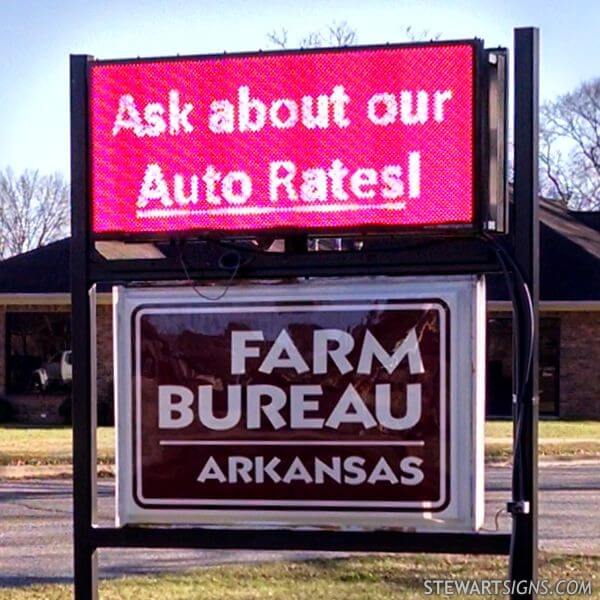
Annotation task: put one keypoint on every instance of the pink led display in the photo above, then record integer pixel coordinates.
(316, 141)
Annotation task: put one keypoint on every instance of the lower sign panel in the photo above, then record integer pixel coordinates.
(344, 403)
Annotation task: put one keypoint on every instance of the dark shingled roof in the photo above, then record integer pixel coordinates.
(570, 255)
(588, 217)
(570, 270)
(42, 271)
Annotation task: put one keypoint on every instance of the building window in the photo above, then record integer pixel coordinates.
(32, 338)
(499, 364)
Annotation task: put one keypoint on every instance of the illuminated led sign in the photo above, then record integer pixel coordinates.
(328, 140)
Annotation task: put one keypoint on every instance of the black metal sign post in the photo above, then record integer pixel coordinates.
(523, 557)
(398, 257)
(84, 468)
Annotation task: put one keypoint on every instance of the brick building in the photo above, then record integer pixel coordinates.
(35, 323)
(569, 319)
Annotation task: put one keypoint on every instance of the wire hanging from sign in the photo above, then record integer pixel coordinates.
(227, 285)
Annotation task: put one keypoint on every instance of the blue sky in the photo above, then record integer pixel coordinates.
(37, 36)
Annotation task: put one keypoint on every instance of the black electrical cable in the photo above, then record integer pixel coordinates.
(234, 273)
(523, 305)
(505, 259)
(520, 297)
(518, 380)
(250, 248)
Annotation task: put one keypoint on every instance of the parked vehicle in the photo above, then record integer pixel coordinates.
(55, 373)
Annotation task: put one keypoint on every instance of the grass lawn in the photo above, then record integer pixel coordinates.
(52, 445)
(549, 429)
(47, 445)
(379, 577)
(559, 439)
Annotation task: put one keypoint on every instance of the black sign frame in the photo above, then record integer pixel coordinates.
(408, 255)
(480, 179)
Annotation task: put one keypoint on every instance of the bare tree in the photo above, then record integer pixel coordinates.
(336, 34)
(570, 148)
(278, 38)
(420, 35)
(34, 210)
(341, 34)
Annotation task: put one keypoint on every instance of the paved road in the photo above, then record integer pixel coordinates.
(35, 526)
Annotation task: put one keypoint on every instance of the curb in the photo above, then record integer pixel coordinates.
(551, 462)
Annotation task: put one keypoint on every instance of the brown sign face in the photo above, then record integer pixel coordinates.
(332, 406)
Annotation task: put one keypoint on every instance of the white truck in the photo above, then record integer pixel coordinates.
(57, 372)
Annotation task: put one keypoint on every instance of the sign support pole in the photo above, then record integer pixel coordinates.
(452, 257)
(524, 545)
(85, 556)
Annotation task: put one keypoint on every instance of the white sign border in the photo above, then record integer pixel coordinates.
(465, 298)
